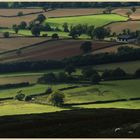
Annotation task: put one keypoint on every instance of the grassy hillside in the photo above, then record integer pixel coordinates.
(96, 20)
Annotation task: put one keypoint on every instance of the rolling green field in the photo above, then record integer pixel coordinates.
(36, 89)
(96, 20)
(121, 89)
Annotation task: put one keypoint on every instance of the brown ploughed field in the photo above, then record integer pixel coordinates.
(122, 11)
(54, 50)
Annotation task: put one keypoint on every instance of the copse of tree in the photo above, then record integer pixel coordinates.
(95, 78)
(86, 46)
(100, 33)
(35, 30)
(70, 69)
(118, 73)
(55, 36)
(137, 73)
(56, 98)
(6, 34)
(90, 31)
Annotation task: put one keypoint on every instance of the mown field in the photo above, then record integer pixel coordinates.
(96, 20)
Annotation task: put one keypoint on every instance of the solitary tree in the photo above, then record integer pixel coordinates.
(86, 46)
(41, 18)
(35, 31)
(133, 9)
(56, 98)
(20, 13)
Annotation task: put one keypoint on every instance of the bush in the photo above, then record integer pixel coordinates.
(6, 35)
(20, 96)
(56, 98)
(49, 90)
(44, 35)
(88, 71)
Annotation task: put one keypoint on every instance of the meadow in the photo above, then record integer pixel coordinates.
(96, 20)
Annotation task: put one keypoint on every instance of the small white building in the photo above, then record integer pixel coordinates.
(126, 38)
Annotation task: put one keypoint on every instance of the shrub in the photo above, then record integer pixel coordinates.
(56, 98)
(70, 69)
(6, 34)
(28, 98)
(88, 71)
(44, 35)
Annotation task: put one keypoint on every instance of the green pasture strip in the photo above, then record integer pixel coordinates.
(96, 20)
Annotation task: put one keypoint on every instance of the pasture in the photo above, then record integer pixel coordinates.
(112, 90)
(96, 20)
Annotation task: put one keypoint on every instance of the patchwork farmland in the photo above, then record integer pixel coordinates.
(65, 65)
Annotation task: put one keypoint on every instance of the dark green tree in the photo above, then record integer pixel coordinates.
(70, 69)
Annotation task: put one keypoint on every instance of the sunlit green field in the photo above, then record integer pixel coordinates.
(96, 20)
(111, 90)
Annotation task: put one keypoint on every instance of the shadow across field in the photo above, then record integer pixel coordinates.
(82, 123)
